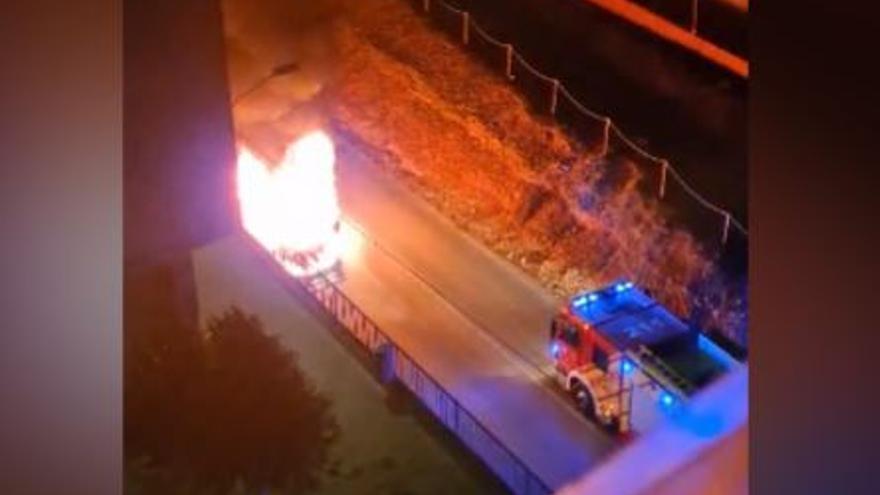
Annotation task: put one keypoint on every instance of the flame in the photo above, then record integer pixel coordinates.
(292, 210)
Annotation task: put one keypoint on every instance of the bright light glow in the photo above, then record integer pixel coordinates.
(554, 349)
(593, 297)
(626, 367)
(292, 209)
(666, 399)
(622, 286)
(350, 243)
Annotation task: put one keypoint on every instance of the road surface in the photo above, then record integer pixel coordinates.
(507, 395)
(492, 292)
(471, 320)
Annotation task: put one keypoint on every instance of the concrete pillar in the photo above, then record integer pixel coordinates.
(178, 139)
(178, 171)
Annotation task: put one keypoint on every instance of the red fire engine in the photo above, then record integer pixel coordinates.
(626, 360)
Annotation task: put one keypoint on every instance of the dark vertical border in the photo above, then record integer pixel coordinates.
(814, 247)
(61, 231)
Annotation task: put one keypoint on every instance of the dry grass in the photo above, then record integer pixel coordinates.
(467, 141)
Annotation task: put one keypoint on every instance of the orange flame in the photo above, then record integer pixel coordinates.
(292, 210)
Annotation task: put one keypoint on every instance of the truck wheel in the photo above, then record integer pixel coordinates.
(583, 399)
(613, 426)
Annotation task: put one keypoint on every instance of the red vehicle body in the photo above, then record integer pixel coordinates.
(626, 360)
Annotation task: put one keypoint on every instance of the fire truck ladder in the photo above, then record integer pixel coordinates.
(670, 375)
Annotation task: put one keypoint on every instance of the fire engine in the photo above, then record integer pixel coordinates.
(627, 361)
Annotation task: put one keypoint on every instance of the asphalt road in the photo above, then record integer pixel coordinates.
(474, 322)
(490, 291)
(508, 396)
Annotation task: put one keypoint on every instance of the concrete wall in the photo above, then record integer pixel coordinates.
(178, 140)
(178, 137)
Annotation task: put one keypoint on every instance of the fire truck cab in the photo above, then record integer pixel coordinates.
(627, 361)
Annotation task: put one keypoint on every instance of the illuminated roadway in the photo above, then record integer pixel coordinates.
(471, 320)
(483, 286)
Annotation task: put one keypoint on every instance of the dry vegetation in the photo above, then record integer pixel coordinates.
(465, 139)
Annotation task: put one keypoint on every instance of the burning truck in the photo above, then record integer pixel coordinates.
(292, 208)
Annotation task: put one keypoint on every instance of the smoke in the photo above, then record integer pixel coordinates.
(263, 34)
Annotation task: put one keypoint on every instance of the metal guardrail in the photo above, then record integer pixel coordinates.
(509, 468)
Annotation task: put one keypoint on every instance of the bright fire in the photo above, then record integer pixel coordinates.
(292, 209)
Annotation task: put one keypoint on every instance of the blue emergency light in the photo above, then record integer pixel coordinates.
(623, 286)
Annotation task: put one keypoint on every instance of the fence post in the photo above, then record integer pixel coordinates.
(387, 363)
(465, 27)
(426, 5)
(726, 228)
(554, 97)
(694, 13)
(509, 66)
(665, 165)
(606, 136)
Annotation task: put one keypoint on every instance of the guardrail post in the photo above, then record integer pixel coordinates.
(426, 5)
(664, 166)
(465, 27)
(606, 136)
(694, 13)
(554, 97)
(726, 229)
(509, 65)
(387, 363)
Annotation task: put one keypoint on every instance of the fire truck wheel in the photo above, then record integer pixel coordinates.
(613, 425)
(583, 399)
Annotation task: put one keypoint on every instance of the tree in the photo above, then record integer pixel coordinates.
(260, 404)
(208, 411)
